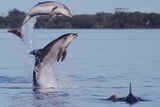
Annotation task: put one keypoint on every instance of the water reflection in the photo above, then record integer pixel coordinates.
(49, 98)
(42, 90)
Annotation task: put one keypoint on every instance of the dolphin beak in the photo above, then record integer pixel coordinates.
(75, 34)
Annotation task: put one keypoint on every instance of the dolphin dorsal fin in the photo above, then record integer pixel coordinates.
(130, 91)
(45, 2)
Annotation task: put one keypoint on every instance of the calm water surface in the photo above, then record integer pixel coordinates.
(99, 63)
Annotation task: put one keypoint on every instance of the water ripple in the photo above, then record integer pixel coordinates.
(5, 79)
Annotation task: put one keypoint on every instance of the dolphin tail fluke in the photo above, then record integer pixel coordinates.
(16, 31)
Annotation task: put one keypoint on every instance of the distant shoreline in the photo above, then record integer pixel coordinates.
(117, 20)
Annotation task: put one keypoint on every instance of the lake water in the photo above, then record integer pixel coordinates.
(99, 63)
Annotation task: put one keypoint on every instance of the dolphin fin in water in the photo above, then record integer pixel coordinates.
(131, 99)
(16, 31)
(130, 90)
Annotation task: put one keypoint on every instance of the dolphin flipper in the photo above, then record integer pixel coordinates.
(64, 55)
(59, 55)
(52, 14)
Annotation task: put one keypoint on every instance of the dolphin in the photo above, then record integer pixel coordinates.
(131, 99)
(45, 57)
(50, 8)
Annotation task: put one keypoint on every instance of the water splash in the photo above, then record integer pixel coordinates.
(28, 31)
(49, 79)
(45, 77)
(27, 44)
(62, 77)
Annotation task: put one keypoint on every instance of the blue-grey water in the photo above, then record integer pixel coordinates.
(99, 63)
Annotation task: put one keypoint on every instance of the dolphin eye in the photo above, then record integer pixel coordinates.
(65, 38)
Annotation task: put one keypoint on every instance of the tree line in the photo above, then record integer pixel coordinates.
(117, 20)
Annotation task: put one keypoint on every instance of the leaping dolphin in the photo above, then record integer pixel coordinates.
(44, 58)
(50, 8)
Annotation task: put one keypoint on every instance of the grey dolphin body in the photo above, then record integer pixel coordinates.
(131, 99)
(50, 8)
(54, 51)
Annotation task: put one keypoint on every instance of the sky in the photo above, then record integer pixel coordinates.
(86, 6)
